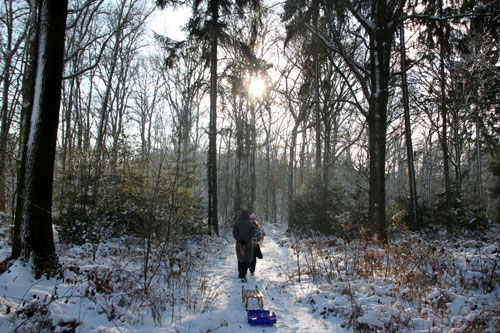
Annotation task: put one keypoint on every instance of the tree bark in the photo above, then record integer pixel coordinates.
(27, 105)
(317, 75)
(253, 148)
(291, 169)
(238, 200)
(479, 167)
(444, 119)
(414, 222)
(213, 225)
(380, 54)
(37, 240)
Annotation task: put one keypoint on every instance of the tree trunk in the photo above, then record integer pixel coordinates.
(380, 55)
(291, 170)
(37, 240)
(316, 66)
(326, 158)
(444, 119)
(238, 200)
(302, 158)
(4, 132)
(414, 222)
(253, 148)
(268, 186)
(444, 138)
(377, 124)
(27, 106)
(67, 135)
(10, 47)
(316, 109)
(479, 167)
(104, 114)
(213, 225)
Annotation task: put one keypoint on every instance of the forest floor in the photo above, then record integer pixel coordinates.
(89, 298)
(276, 278)
(414, 285)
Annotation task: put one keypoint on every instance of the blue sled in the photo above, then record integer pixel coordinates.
(261, 317)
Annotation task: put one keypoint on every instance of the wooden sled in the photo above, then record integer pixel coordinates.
(257, 316)
(247, 294)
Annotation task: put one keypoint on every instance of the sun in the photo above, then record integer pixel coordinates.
(257, 86)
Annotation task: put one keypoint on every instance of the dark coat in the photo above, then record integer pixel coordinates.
(243, 230)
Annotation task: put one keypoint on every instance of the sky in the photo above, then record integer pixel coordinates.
(169, 21)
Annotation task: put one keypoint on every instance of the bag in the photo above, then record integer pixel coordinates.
(258, 254)
(263, 234)
(241, 248)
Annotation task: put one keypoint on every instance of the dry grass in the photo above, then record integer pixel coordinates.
(420, 279)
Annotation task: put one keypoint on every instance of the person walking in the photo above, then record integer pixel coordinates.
(257, 239)
(243, 231)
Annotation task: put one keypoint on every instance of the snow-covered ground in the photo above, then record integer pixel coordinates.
(274, 277)
(77, 304)
(337, 287)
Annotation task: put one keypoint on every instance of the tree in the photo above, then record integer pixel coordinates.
(312, 47)
(453, 84)
(12, 16)
(377, 23)
(36, 239)
(126, 22)
(481, 80)
(413, 205)
(440, 30)
(207, 25)
(295, 103)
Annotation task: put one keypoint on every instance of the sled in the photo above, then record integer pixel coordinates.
(261, 317)
(247, 294)
(258, 316)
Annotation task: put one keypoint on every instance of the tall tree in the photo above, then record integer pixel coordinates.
(28, 79)
(444, 24)
(13, 14)
(295, 102)
(481, 75)
(312, 47)
(213, 224)
(376, 20)
(36, 238)
(413, 205)
(207, 24)
(443, 53)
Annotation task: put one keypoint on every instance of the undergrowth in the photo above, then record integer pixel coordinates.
(451, 284)
(114, 286)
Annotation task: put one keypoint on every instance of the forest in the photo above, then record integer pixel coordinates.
(362, 125)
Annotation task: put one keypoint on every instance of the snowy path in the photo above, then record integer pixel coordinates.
(280, 294)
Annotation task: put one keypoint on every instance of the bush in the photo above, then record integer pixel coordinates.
(75, 227)
(130, 201)
(318, 208)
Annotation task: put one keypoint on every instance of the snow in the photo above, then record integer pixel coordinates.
(106, 294)
(371, 320)
(40, 72)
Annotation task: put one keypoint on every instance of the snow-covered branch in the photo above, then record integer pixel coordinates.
(450, 17)
(359, 71)
(365, 22)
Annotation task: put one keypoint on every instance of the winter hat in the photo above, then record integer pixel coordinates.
(253, 217)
